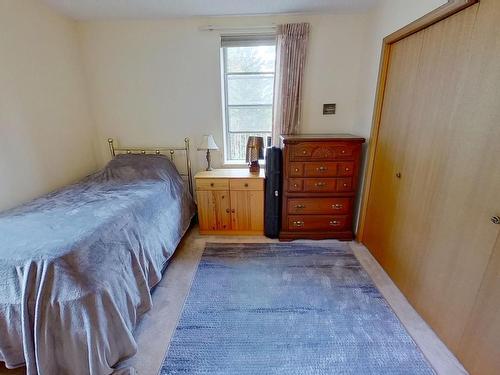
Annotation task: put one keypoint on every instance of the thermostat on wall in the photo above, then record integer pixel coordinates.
(329, 109)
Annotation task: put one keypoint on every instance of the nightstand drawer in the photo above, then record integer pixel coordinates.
(212, 184)
(246, 184)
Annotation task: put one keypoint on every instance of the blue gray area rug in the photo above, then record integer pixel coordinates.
(288, 309)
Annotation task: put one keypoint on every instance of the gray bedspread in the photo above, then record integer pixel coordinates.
(77, 265)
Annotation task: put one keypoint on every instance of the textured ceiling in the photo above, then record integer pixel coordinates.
(126, 9)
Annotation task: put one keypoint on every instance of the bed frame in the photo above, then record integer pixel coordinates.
(169, 151)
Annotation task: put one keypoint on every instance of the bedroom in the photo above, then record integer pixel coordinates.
(420, 209)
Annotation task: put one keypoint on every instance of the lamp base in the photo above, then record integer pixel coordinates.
(254, 167)
(209, 159)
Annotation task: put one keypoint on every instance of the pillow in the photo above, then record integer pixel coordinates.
(141, 167)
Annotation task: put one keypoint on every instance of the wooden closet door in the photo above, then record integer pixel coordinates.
(460, 173)
(382, 212)
(480, 345)
(431, 228)
(442, 66)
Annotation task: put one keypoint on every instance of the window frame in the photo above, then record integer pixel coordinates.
(241, 41)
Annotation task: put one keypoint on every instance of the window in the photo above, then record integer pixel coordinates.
(248, 91)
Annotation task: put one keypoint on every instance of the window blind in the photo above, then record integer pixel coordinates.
(248, 40)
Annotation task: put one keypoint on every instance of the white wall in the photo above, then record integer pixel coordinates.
(387, 18)
(155, 82)
(46, 133)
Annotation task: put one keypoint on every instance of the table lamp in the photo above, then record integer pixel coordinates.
(255, 152)
(208, 143)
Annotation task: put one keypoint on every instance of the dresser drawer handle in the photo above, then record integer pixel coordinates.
(337, 206)
(297, 169)
(334, 223)
(298, 223)
(345, 185)
(295, 185)
(228, 210)
(320, 184)
(299, 206)
(342, 152)
(347, 169)
(322, 169)
(212, 184)
(246, 185)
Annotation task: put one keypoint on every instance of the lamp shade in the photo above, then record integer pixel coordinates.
(208, 143)
(255, 149)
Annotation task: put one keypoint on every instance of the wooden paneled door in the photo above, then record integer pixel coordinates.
(435, 180)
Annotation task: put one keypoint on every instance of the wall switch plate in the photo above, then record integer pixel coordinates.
(329, 109)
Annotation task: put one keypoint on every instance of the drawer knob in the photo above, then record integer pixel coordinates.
(334, 223)
(298, 223)
(212, 184)
(295, 185)
(246, 185)
(347, 169)
(321, 169)
(337, 206)
(228, 210)
(296, 169)
(345, 185)
(299, 206)
(342, 152)
(233, 211)
(495, 220)
(320, 184)
(304, 152)
(398, 174)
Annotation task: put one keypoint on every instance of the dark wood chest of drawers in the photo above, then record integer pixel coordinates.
(320, 183)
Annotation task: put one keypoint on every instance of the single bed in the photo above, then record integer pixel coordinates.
(77, 265)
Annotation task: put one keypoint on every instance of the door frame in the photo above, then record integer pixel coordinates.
(446, 10)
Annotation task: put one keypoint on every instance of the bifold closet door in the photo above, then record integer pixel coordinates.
(480, 345)
(383, 213)
(428, 215)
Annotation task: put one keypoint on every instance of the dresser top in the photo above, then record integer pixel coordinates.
(230, 173)
(322, 137)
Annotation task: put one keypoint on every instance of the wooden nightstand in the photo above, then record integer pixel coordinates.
(230, 201)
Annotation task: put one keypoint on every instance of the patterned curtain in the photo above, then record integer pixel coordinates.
(291, 50)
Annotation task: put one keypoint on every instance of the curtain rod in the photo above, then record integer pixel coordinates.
(227, 28)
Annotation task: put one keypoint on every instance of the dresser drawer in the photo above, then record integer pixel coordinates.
(345, 169)
(320, 185)
(296, 169)
(332, 206)
(295, 185)
(322, 151)
(318, 222)
(321, 169)
(344, 185)
(212, 184)
(246, 184)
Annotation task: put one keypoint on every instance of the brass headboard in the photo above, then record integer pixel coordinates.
(158, 151)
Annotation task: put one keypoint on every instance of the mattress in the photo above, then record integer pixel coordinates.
(77, 266)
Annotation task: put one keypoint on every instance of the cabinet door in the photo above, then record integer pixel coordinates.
(247, 211)
(214, 210)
